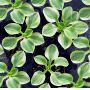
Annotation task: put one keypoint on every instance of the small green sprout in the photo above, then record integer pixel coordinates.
(69, 27)
(14, 78)
(19, 10)
(51, 59)
(28, 39)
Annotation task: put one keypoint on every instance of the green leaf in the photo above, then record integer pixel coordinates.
(39, 59)
(85, 13)
(71, 32)
(13, 28)
(26, 9)
(67, 1)
(17, 16)
(39, 80)
(79, 84)
(52, 52)
(18, 59)
(64, 41)
(3, 67)
(3, 13)
(12, 82)
(33, 21)
(81, 42)
(1, 50)
(89, 57)
(77, 56)
(4, 2)
(22, 77)
(86, 2)
(46, 85)
(49, 30)
(13, 71)
(58, 79)
(38, 3)
(17, 3)
(37, 38)
(58, 4)
(84, 70)
(1, 80)
(9, 43)
(80, 27)
(51, 14)
(67, 14)
(61, 61)
(27, 46)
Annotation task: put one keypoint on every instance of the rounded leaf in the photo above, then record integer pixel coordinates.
(61, 61)
(13, 28)
(58, 79)
(51, 14)
(77, 56)
(52, 52)
(9, 43)
(18, 59)
(81, 42)
(84, 70)
(84, 13)
(38, 3)
(27, 46)
(22, 77)
(49, 30)
(58, 4)
(64, 41)
(26, 9)
(12, 83)
(80, 27)
(39, 59)
(67, 1)
(46, 85)
(17, 16)
(1, 50)
(33, 21)
(86, 2)
(39, 80)
(3, 67)
(37, 38)
(3, 13)
(4, 2)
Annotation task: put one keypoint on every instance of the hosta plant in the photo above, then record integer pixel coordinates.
(18, 9)
(50, 60)
(28, 39)
(85, 11)
(13, 77)
(69, 26)
(58, 4)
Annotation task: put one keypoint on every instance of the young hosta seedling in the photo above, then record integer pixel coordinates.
(20, 10)
(14, 78)
(1, 50)
(78, 56)
(83, 73)
(28, 39)
(51, 59)
(69, 27)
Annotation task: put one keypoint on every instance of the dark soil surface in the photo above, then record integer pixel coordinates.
(30, 67)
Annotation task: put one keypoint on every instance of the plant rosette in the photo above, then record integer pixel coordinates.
(51, 59)
(14, 78)
(69, 27)
(28, 39)
(18, 9)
